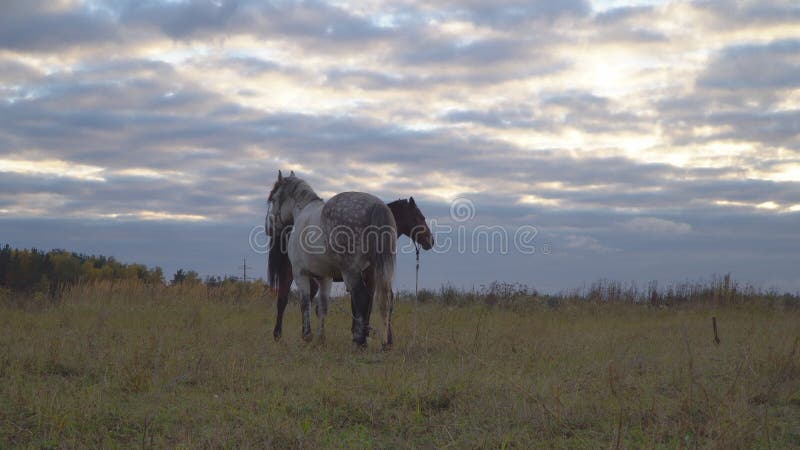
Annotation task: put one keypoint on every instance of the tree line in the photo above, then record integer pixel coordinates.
(29, 270)
(39, 270)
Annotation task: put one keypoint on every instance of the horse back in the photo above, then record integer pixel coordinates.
(350, 209)
(346, 216)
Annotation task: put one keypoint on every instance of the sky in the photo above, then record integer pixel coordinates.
(639, 140)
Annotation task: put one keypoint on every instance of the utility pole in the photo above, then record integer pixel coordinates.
(244, 269)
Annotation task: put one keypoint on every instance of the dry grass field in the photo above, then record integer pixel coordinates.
(131, 365)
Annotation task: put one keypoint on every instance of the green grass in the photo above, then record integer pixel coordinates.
(137, 366)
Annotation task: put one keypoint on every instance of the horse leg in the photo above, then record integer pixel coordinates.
(386, 305)
(284, 283)
(304, 286)
(322, 306)
(389, 321)
(313, 285)
(370, 284)
(359, 302)
(382, 293)
(369, 281)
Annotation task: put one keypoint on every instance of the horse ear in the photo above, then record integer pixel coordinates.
(280, 175)
(411, 200)
(291, 174)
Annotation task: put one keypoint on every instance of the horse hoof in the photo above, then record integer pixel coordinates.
(386, 347)
(277, 336)
(307, 337)
(360, 342)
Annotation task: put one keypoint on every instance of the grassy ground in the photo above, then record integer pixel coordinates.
(135, 366)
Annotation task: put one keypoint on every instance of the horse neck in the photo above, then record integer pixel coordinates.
(402, 224)
(303, 199)
(299, 207)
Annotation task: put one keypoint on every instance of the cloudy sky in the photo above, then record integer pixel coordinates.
(642, 139)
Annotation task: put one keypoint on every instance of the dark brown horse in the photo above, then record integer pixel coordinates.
(410, 222)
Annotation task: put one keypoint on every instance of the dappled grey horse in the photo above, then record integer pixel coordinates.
(353, 236)
(409, 220)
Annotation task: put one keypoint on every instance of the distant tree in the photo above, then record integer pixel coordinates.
(178, 278)
(156, 275)
(66, 267)
(185, 277)
(192, 277)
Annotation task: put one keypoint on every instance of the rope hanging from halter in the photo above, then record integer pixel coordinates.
(416, 281)
(416, 300)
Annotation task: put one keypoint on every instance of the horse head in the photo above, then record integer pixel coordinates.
(281, 203)
(411, 222)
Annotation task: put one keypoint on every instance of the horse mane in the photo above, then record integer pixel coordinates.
(296, 188)
(398, 202)
(398, 207)
(278, 259)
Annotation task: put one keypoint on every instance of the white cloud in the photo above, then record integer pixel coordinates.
(51, 167)
(654, 225)
(589, 243)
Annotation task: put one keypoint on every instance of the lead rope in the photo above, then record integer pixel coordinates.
(416, 282)
(416, 297)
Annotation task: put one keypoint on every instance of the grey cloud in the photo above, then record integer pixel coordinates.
(593, 113)
(317, 21)
(516, 12)
(746, 123)
(636, 36)
(250, 65)
(33, 26)
(179, 20)
(755, 66)
(742, 190)
(320, 26)
(13, 72)
(739, 91)
(578, 110)
(38, 26)
(623, 14)
(488, 51)
(672, 194)
(723, 13)
(445, 59)
(118, 69)
(775, 128)
(86, 114)
(115, 195)
(368, 79)
(521, 117)
(656, 225)
(629, 24)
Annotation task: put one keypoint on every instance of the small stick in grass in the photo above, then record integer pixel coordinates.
(716, 335)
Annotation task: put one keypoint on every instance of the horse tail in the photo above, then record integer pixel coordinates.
(382, 242)
(382, 252)
(278, 259)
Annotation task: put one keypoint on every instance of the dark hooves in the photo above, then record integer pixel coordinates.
(307, 337)
(386, 347)
(276, 335)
